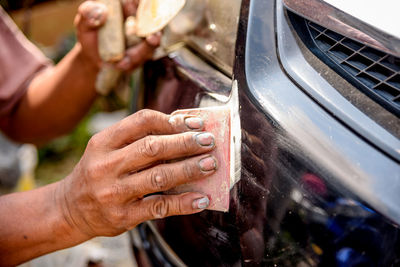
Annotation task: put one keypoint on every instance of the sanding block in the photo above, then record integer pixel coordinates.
(217, 120)
(152, 16)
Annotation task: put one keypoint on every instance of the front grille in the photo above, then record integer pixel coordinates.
(375, 73)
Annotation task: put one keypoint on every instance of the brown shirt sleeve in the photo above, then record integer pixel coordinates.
(20, 60)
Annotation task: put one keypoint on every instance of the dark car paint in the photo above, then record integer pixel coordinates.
(287, 209)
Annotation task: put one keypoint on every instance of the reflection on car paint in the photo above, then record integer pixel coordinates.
(285, 210)
(288, 209)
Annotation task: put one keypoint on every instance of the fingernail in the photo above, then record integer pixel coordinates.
(125, 63)
(96, 15)
(205, 139)
(201, 203)
(194, 123)
(208, 164)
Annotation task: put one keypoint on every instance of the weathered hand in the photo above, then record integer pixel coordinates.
(90, 17)
(137, 55)
(112, 188)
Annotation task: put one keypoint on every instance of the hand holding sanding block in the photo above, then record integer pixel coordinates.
(152, 16)
(217, 120)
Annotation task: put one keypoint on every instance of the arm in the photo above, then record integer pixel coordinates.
(57, 98)
(32, 224)
(107, 192)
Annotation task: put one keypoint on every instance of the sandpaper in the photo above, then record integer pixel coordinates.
(217, 120)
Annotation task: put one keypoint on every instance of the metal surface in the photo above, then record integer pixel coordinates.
(209, 29)
(202, 74)
(307, 182)
(338, 21)
(192, 83)
(299, 115)
(308, 78)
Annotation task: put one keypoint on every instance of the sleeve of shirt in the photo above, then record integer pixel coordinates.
(20, 60)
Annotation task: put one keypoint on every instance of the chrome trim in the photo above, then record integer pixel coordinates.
(336, 20)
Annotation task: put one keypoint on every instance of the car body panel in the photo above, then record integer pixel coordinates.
(312, 192)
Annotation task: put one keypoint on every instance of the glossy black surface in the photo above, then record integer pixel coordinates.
(296, 203)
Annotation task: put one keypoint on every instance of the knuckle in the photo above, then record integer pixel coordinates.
(186, 142)
(85, 10)
(83, 7)
(146, 115)
(112, 195)
(160, 179)
(179, 207)
(160, 208)
(152, 146)
(118, 129)
(147, 118)
(94, 141)
(141, 118)
(188, 171)
(105, 196)
(117, 216)
(141, 113)
(99, 168)
(118, 191)
(91, 172)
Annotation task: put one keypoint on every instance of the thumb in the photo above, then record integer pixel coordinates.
(91, 15)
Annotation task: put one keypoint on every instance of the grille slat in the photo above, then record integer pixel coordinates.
(374, 70)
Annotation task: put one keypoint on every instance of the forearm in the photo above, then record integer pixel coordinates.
(33, 223)
(56, 100)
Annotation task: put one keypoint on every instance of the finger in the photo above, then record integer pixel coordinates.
(137, 55)
(161, 206)
(166, 176)
(129, 7)
(151, 149)
(91, 15)
(149, 122)
(154, 39)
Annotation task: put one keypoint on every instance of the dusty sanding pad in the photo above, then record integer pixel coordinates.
(217, 120)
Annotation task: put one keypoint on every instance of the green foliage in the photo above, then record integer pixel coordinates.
(73, 143)
(58, 158)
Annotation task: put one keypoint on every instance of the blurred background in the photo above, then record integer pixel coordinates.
(49, 25)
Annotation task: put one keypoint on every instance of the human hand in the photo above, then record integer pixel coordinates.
(90, 17)
(109, 190)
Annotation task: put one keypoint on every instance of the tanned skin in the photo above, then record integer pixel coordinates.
(58, 97)
(107, 192)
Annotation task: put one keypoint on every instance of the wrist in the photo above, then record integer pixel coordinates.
(69, 229)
